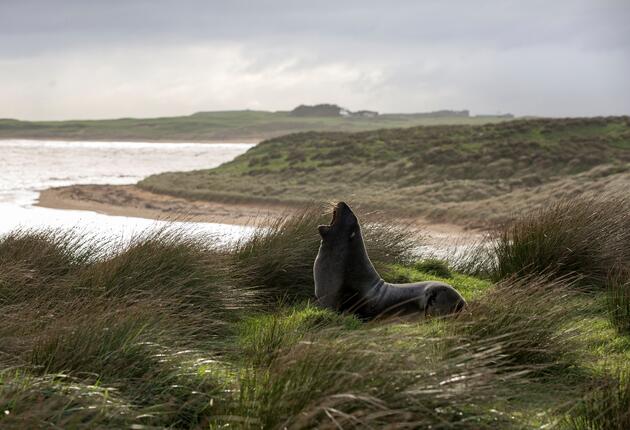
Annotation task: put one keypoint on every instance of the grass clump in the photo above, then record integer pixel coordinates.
(618, 302)
(585, 238)
(58, 401)
(434, 266)
(50, 253)
(606, 407)
(261, 337)
(356, 381)
(527, 317)
(278, 261)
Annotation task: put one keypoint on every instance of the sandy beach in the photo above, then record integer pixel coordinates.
(129, 200)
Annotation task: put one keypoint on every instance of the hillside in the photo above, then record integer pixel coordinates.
(472, 175)
(246, 125)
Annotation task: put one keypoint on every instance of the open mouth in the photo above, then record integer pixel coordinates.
(334, 217)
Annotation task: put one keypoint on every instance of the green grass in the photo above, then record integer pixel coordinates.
(469, 286)
(476, 175)
(174, 331)
(618, 302)
(214, 126)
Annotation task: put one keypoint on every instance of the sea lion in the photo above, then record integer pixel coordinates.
(346, 280)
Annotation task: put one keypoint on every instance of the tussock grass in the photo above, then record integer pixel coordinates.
(262, 337)
(435, 267)
(606, 407)
(355, 381)
(585, 238)
(58, 401)
(173, 331)
(527, 317)
(618, 301)
(278, 261)
(50, 253)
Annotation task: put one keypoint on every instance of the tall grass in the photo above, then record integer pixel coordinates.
(357, 381)
(618, 301)
(58, 401)
(173, 331)
(527, 317)
(585, 238)
(278, 260)
(605, 407)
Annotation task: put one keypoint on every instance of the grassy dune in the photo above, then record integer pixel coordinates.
(474, 175)
(172, 331)
(215, 126)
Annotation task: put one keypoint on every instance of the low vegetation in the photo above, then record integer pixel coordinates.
(480, 175)
(223, 125)
(174, 330)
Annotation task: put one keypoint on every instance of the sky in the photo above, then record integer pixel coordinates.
(79, 59)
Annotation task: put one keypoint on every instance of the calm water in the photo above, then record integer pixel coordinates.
(28, 166)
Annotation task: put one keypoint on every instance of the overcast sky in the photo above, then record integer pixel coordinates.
(118, 58)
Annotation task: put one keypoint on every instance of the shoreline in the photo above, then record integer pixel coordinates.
(132, 201)
(253, 140)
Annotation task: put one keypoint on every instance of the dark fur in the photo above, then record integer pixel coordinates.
(346, 280)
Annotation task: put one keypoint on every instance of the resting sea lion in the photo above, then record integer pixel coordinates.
(346, 280)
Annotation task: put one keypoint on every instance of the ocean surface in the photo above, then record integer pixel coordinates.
(28, 166)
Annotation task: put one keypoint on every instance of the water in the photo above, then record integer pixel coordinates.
(28, 166)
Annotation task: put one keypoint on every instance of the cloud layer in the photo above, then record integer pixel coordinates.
(89, 59)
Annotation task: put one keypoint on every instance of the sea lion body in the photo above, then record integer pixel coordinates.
(346, 280)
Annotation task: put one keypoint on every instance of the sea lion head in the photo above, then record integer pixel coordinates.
(329, 269)
(343, 227)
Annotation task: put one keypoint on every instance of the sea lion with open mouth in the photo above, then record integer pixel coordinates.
(346, 280)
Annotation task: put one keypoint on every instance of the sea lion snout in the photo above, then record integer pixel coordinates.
(342, 214)
(323, 230)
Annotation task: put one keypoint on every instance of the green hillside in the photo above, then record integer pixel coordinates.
(468, 174)
(216, 126)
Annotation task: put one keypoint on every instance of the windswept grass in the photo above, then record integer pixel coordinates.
(174, 331)
(605, 407)
(618, 301)
(527, 318)
(359, 381)
(58, 401)
(584, 238)
(278, 261)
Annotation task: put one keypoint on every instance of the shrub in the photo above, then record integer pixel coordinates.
(585, 238)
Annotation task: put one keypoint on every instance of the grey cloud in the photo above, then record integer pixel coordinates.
(398, 55)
